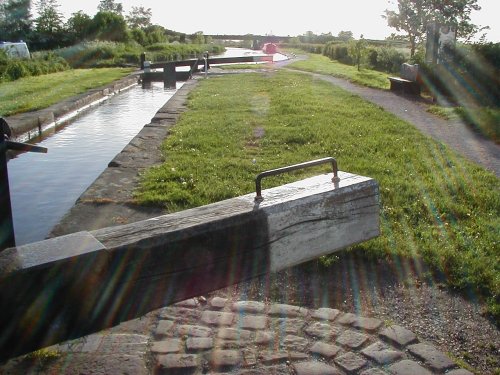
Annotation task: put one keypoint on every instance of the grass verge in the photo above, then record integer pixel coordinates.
(323, 65)
(33, 93)
(435, 205)
(484, 120)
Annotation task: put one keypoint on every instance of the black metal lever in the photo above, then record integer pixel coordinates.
(24, 147)
(7, 237)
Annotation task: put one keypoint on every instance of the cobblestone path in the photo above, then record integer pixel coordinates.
(248, 338)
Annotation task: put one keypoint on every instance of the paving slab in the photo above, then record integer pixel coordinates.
(351, 362)
(398, 336)
(315, 368)
(408, 367)
(325, 313)
(325, 350)
(434, 358)
(352, 339)
(381, 354)
(251, 307)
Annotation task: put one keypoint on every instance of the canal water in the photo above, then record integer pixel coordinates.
(45, 186)
(237, 52)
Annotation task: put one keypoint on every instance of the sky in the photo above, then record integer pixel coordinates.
(282, 18)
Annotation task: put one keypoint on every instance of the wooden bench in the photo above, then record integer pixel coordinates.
(408, 83)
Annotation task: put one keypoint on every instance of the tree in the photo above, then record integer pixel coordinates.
(197, 38)
(78, 26)
(413, 16)
(15, 20)
(139, 17)
(324, 38)
(308, 37)
(139, 36)
(49, 24)
(395, 36)
(357, 50)
(110, 6)
(109, 26)
(155, 34)
(345, 36)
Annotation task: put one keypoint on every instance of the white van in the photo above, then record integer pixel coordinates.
(16, 50)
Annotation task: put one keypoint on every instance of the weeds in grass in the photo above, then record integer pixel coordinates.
(482, 119)
(43, 357)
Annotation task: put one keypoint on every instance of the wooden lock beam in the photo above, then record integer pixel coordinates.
(70, 286)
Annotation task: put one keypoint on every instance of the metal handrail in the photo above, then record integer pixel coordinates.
(274, 172)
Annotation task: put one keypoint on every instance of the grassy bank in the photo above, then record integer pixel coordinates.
(323, 65)
(32, 93)
(434, 204)
(483, 120)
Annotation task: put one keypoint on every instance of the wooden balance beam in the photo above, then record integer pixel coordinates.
(71, 286)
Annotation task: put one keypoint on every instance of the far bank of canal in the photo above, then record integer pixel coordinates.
(77, 154)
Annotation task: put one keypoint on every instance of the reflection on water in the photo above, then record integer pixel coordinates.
(45, 186)
(236, 52)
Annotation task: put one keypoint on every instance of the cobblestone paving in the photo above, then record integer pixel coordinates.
(248, 338)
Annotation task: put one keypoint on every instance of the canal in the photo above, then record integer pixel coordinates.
(45, 186)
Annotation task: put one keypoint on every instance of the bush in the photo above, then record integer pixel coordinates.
(372, 55)
(169, 52)
(91, 54)
(389, 60)
(107, 54)
(338, 51)
(16, 69)
(307, 47)
(384, 58)
(13, 69)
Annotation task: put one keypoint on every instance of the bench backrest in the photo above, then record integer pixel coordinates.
(409, 72)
